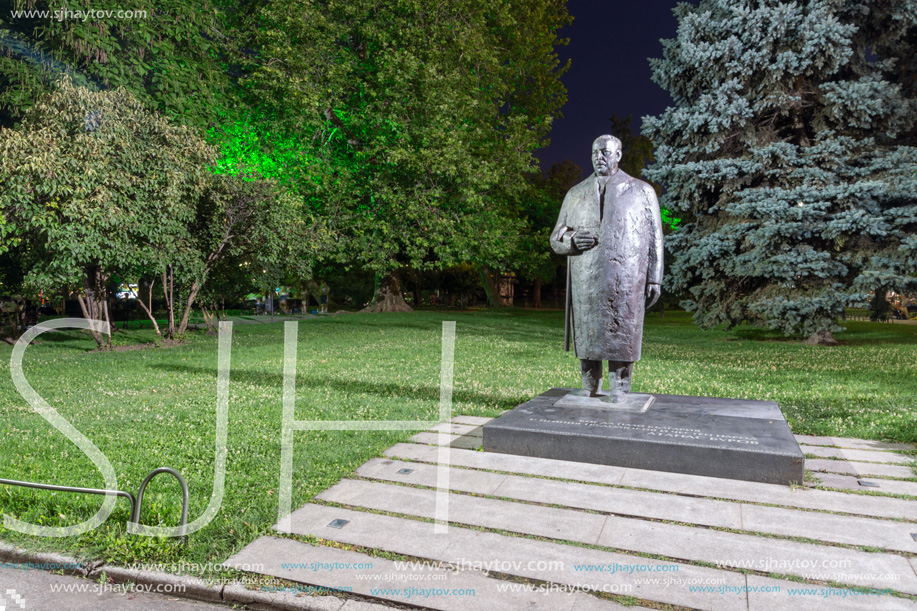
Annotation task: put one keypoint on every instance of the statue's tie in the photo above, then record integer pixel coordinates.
(600, 197)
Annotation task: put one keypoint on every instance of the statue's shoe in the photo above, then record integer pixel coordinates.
(616, 396)
(584, 393)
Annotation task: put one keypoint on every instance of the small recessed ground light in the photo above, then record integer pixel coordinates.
(867, 483)
(405, 471)
(338, 523)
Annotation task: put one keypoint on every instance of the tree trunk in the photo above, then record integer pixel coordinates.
(62, 310)
(15, 315)
(149, 309)
(312, 289)
(388, 297)
(879, 308)
(111, 325)
(536, 294)
(183, 326)
(168, 291)
(418, 295)
(490, 287)
(821, 338)
(209, 316)
(94, 305)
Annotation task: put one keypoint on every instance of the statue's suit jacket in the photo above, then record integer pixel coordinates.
(609, 281)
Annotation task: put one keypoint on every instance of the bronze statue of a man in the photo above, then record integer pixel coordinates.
(611, 230)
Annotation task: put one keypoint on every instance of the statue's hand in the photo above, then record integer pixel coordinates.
(583, 240)
(652, 294)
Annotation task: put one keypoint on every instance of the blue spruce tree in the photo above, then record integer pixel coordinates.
(790, 154)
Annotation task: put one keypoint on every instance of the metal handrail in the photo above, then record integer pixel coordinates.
(136, 503)
(183, 523)
(126, 495)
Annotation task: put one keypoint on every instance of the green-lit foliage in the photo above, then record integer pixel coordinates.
(245, 146)
(668, 220)
(418, 120)
(790, 153)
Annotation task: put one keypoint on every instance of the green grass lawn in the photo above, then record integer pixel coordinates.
(156, 407)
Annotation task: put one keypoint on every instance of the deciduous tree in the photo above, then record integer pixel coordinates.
(421, 119)
(172, 55)
(99, 183)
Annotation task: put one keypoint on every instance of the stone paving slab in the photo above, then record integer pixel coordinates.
(636, 535)
(859, 468)
(805, 597)
(551, 522)
(647, 500)
(550, 562)
(854, 444)
(815, 562)
(458, 428)
(465, 442)
(693, 485)
(237, 594)
(475, 420)
(830, 528)
(857, 455)
(825, 500)
(600, 474)
(466, 480)
(578, 496)
(272, 551)
(360, 605)
(624, 501)
(851, 530)
(850, 482)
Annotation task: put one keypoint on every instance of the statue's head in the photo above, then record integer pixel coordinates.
(606, 153)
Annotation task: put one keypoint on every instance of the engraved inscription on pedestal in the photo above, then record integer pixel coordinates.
(729, 438)
(670, 432)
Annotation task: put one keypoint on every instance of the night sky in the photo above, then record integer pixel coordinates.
(609, 73)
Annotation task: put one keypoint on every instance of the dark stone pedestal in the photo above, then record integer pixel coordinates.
(729, 438)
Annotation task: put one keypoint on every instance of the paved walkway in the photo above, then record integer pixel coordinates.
(530, 533)
(37, 590)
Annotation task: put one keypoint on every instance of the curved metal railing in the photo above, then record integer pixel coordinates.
(136, 502)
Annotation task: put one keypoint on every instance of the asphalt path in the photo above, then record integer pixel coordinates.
(37, 590)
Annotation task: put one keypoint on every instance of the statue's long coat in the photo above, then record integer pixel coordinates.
(609, 281)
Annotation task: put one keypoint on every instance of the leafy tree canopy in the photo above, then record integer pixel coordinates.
(170, 54)
(421, 118)
(96, 183)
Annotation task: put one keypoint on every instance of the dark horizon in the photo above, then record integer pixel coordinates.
(628, 34)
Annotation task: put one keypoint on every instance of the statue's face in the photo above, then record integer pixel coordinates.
(605, 156)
